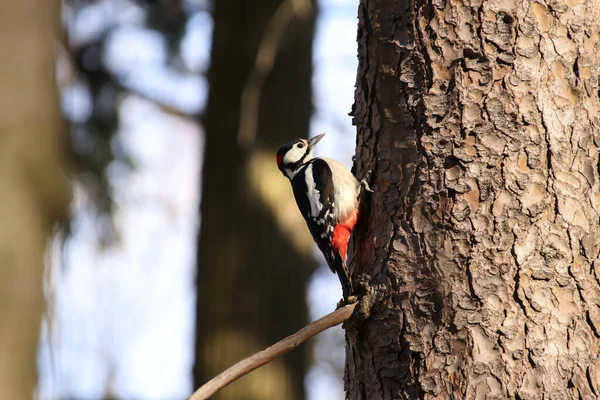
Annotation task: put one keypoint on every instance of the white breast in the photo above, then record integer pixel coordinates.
(346, 189)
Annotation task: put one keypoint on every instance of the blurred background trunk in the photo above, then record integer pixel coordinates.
(480, 122)
(254, 262)
(33, 182)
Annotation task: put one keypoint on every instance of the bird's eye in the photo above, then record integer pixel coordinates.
(300, 145)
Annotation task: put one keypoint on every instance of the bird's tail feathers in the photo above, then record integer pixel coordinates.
(344, 276)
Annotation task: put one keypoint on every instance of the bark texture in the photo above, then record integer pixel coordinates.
(480, 258)
(253, 261)
(34, 191)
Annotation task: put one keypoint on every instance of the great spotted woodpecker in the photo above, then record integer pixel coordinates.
(327, 196)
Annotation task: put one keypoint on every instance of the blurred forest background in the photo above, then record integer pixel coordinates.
(159, 109)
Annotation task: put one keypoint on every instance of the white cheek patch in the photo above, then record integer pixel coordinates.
(293, 155)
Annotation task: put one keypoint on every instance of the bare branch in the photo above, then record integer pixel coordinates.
(269, 354)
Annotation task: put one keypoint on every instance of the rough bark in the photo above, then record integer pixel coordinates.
(253, 261)
(34, 192)
(479, 260)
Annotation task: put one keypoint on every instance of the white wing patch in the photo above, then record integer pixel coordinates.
(314, 196)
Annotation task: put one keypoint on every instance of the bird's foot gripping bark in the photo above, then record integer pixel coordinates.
(364, 182)
(365, 186)
(344, 302)
(368, 298)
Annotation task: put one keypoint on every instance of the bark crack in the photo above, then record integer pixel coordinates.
(588, 319)
(549, 165)
(471, 284)
(590, 381)
(426, 60)
(517, 280)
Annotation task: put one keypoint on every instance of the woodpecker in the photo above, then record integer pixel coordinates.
(327, 196)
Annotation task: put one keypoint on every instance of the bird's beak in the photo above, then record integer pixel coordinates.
(312, 142)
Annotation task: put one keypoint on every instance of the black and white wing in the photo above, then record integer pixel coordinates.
(314, 193)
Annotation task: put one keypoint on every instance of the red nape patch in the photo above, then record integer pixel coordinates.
(279, 160)
(341, 234)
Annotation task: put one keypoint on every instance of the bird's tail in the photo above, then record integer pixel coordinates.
(344, 276)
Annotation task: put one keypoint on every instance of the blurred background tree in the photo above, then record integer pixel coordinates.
(131, 90)
(134, 78)
(254, 261)
(33, 183)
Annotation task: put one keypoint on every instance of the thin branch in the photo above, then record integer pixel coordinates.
(269, 354)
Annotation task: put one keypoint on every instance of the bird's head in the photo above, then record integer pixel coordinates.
(291, 156)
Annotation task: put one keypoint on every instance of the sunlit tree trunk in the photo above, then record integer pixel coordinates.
(479, 261)
(33, 186)
(254, 262)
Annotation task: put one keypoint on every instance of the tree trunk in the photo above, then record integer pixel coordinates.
(479, 259)
(33, 184)
(254, 263)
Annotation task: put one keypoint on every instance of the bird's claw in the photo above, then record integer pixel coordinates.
(365, 185)
(344, 302)
(364, 182)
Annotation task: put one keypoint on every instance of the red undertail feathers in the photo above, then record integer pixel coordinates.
(341, 234)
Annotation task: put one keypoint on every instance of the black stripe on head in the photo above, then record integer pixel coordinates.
(300, 146)
(284, 149)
